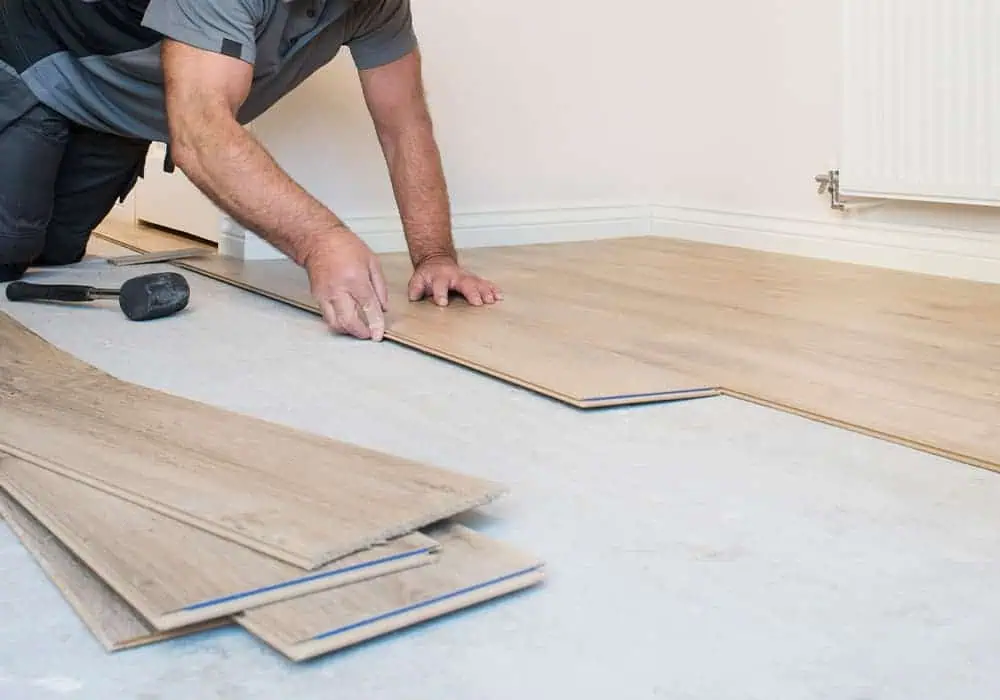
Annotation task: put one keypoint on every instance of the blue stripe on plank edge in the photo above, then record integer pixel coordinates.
(647, 395)
(426, 603)
(307, 579)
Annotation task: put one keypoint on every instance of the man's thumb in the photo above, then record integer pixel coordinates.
(416, 288)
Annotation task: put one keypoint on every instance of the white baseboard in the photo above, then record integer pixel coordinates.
(236, 241)
(473, 230)
(518, 227)
(951, 252)
(971, 255)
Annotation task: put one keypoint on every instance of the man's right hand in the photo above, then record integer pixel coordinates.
(346, 279)
(204, 91)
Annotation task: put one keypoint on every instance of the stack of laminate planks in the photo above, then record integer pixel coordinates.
(157, 516)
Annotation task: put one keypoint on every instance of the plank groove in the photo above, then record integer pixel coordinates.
(174, 574)
(298, 497)
(910, 358)
(475, 569)
(470, 570)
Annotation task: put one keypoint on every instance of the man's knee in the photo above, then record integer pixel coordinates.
(61, 249)
(31, 148)
(24, 220)
(17, 252)
(19, 244)
(97, 170)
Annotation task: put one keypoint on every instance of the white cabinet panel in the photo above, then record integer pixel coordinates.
(171, 200)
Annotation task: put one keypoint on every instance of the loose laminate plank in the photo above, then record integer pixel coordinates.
(470, 570)
(174, 574)
(910, 358)
(302, 498)
(112, 621)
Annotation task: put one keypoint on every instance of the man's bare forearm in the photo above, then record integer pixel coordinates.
(421, 192)
(236, 172)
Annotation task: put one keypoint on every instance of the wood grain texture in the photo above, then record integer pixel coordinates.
(470, 570)
(910, 358)
(175, 574)
(533, 339)
(112, 621)
(149, 238)
(299, 497)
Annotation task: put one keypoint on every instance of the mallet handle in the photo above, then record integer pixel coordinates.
(31, 291)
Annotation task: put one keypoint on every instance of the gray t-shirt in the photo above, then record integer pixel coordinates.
(98, 61)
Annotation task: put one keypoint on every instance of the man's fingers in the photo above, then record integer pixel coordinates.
(376, 319)
(369, 300)
(347, 281)
(417, 288)
(441, 286)
(378, 282)
(469, 287)
(347, 315)
(330, 316)
(438, 283)
(487, 293)
(375, 309)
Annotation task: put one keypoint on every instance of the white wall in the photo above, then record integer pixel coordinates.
(749, 115)
(749, 108)
(536, 105)
(569, 119)
(541, 111)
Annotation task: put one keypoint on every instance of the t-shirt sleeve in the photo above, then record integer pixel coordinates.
(227, 27)
(382, 33)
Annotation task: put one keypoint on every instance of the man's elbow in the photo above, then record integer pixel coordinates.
(203, 90)
(406, 123)
(193, 130)
(184, 155)
(184, 137)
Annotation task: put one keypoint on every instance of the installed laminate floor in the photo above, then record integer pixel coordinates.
(701, 549)
(905, 357)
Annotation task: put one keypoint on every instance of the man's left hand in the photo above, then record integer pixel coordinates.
(438, 276)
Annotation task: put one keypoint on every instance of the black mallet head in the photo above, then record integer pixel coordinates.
(154, 296)
(142, 298)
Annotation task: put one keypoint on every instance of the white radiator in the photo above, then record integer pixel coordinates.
(921, 100)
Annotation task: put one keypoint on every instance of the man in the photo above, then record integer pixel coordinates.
(86, 85)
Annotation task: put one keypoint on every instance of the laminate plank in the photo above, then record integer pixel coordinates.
(150, 238)
(532, 341)
(112, 621)
(910, 358)
(470, 570)
(301, 498)
(174, 574)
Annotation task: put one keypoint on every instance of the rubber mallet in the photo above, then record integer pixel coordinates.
(141, 298)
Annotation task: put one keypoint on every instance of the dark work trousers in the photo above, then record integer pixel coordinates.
(58, 181)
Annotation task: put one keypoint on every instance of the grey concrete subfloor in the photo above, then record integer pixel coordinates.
(710, 549)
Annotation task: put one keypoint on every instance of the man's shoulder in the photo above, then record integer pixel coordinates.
(258, 9)
(380, 32)
(229, 27)
(368, 15)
